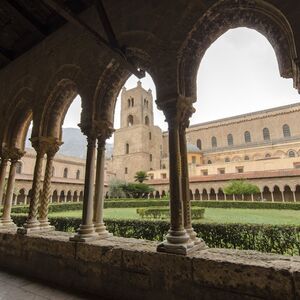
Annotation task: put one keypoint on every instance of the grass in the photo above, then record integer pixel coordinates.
(218, 215)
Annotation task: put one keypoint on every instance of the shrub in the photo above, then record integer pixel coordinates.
(240, 187)
(265, 238)
(164, 213)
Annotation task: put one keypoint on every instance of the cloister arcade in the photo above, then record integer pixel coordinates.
(50, 67)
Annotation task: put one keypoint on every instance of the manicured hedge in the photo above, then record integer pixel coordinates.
(264, 238)
(247, 204)
(164, 213)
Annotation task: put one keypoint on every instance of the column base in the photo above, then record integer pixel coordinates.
(7, 224)
(85, 233)
(193, 236)
(45, 225)
(100, 229)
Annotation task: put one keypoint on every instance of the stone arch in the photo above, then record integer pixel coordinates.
(21, 197)
(69, 196)
(267, 193)
(157, 195)
(288, 194)
(197, 195)
(204, 194)
(147, 120)
(62, 196)
(224, 15)
(55, 196)
(163, 193)
(81, 196)
(297, 192)
(17, 118)
(56, 107)
(277, 194)
(221, 195)
(191, 195)
(130, 120)
(212, 194)
(75, 196)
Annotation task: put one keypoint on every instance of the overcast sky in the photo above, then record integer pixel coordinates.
(238, 74)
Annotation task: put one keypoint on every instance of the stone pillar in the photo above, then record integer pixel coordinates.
(225, 197)
(187, 220)
(177, 239)
(252, 197)
(201, 197)
(282, 195)
(25, 199)
(6, 221)
(105, 131)
(86, 230)
(272, 196)
(217, 197)
(233, 197)
(32, 223)
(261, 196)
(3, 167)
(53, 147)
(294, 196)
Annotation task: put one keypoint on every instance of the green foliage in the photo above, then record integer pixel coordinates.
(247, 204)
(164, 213)
(240, 187)
(265, 238)
(116, 188)
(140, 176)
(137, 190)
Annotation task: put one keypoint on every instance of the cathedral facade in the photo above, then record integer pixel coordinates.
(262, 147)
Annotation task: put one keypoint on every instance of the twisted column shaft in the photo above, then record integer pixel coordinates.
(3, 167)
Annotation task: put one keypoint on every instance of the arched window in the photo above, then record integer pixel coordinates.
(266, 134)
(214, 142)
(246, 157)
(286, 130)
(247, 137)
(147, 120)
(230, 139)
(130, 120)
(150, 136)
(65, 172)
(127, 148)
(199, 144)
(268, 155)
(129, 102)
(227, 159)
(150, 157)
(19, 167)
(291, 154)
(209, 162)
(132, 102)
(163, 166)
(78, 174)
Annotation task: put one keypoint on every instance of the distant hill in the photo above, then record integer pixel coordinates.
(74, 143)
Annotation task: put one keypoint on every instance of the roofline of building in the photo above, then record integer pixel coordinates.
(255, 113)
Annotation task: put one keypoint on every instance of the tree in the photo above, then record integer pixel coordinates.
(240, 187)
(140, 176)
(116, 188)
(136, 190)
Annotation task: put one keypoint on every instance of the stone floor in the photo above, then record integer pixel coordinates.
(14, 287)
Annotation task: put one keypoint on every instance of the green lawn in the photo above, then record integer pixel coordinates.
(219, 215)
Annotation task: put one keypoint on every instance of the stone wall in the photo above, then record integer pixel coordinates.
(119, 268)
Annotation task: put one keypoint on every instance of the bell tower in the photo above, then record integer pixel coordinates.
(138, 143)
(136, 106)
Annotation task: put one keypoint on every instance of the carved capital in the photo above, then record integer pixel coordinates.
(177, 110)
(14, 154)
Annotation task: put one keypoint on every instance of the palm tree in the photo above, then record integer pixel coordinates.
(141, 176)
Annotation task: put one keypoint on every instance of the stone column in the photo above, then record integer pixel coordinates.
(261, 196)
(201, 197)
(282, 195)
(294, 196)
(217, 197)
(252, 197)
(53, 147)
(187, 220)
(272, 196)
(177, 239)
(225, 197)
(86, 230)
(233, 197)
(105, 131)
(3, 167)
(6, 221)
(32, 223)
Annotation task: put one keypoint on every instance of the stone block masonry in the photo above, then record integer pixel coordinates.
(118, 268)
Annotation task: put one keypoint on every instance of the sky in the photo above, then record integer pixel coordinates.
(238, 74)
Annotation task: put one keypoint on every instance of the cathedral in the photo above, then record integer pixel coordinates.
(262, 147)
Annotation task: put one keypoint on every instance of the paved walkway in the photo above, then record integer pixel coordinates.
(13, 287)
